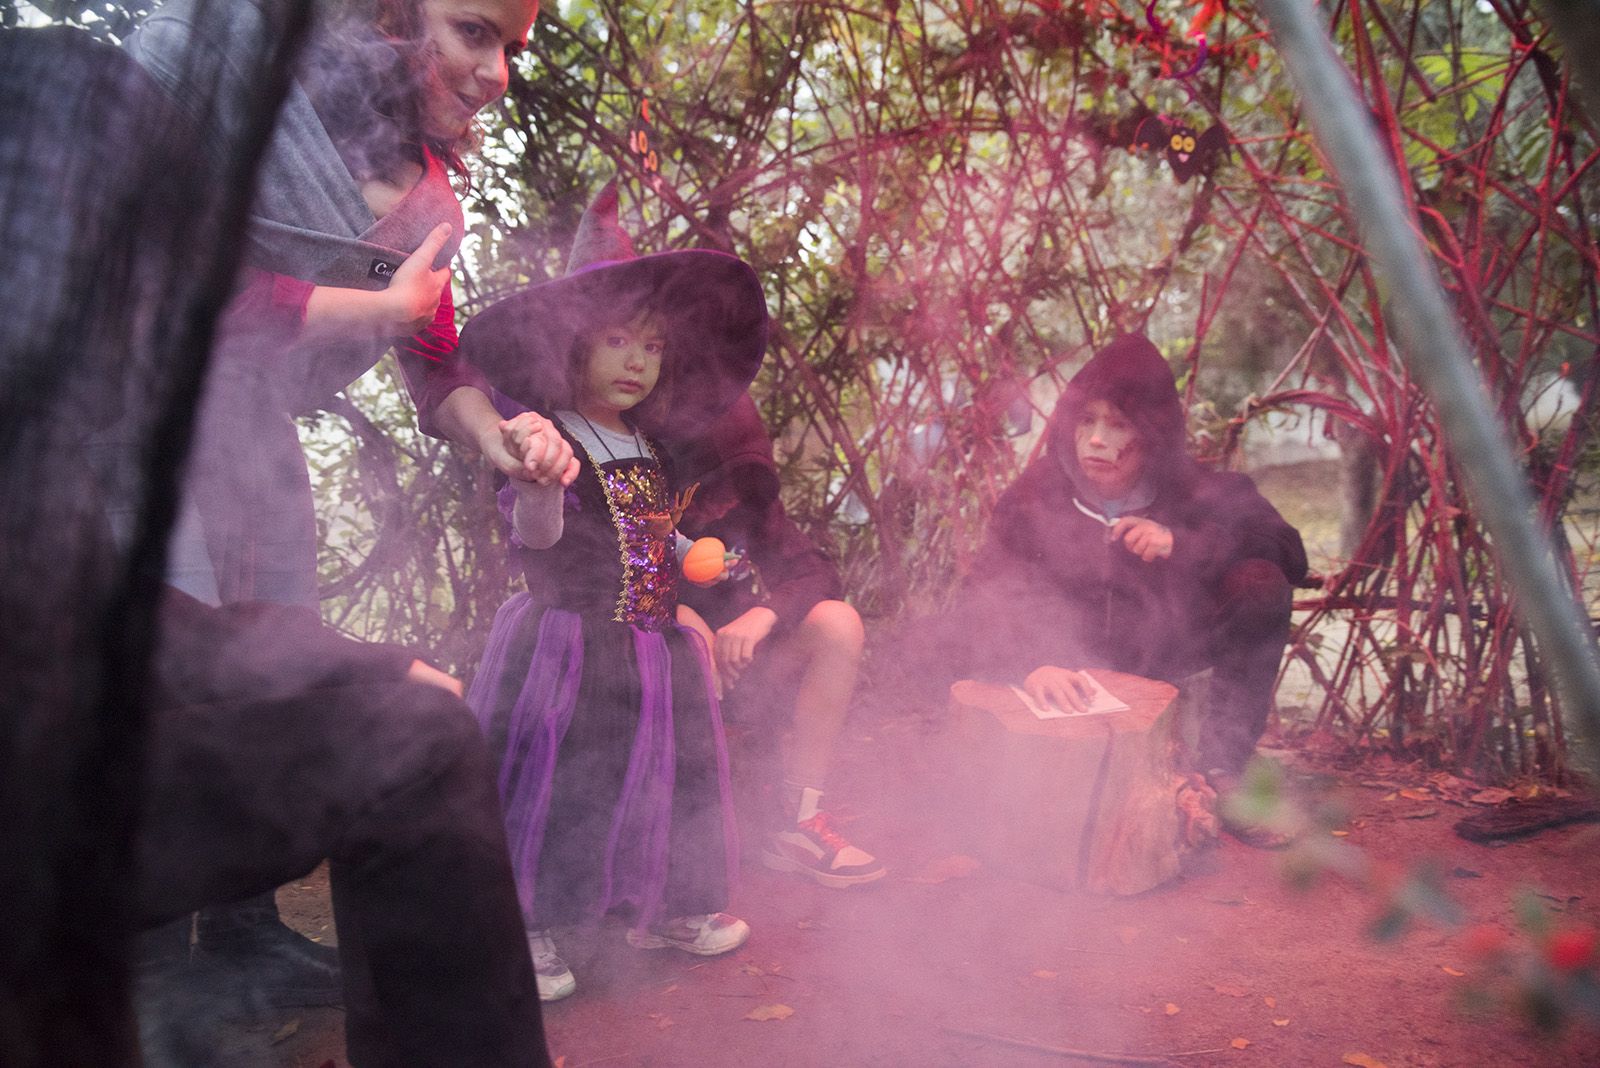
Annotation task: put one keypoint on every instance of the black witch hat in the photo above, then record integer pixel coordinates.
(710, 303)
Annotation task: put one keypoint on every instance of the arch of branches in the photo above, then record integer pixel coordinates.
(946, 203)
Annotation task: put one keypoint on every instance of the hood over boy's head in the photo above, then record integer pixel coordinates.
(1130, 374)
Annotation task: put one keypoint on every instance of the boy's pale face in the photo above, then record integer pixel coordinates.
(1108, 449)
(623, 366)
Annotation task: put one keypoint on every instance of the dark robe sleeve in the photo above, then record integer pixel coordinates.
(1016, 609)
(268, 651)
(1227, 521)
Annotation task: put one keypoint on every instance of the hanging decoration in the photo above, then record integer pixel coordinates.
(1188, 152)
(641, 143)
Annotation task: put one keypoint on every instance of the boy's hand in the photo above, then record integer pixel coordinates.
(736, 642)
(1144, 538)
(538, 450)
(1067, 690)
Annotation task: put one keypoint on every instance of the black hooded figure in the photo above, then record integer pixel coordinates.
(1115, 549)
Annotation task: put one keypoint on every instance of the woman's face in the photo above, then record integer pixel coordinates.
(470, 44)
(623, 365)
(1108, 449)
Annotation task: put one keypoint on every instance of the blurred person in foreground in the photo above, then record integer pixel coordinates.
(1115, 549)
(781, 635)
(240, 745)
(352, 232)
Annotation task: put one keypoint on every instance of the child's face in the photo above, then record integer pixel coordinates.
(623, 365)
(1108, 449)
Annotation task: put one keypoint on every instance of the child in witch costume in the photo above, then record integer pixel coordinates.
(614, 773)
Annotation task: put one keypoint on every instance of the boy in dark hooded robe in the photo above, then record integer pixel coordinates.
(782, 632)
(1115, 549)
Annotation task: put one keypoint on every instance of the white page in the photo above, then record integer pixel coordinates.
(1100, 703)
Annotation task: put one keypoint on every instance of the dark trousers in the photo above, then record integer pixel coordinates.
(1239, 630)
(274, 744)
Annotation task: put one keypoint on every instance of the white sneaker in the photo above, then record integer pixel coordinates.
(705, 935)
(549, 970)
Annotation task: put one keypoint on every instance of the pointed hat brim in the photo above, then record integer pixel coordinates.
(716, 319)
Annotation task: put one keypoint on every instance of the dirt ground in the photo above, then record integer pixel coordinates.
(950, 961)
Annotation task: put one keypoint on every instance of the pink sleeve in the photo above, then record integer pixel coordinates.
(267, 305)
(432, 365)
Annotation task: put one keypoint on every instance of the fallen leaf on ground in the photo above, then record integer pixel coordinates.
(1282, 1021)
(285, 1031)
(1340, 834)
(1172, 1010)
(762, 1013)
(1239, 1043)
(1271, 1001)
(955, 866)
(1361, 1060)
(1417, 795)
(1450, 971)
(1230, 990)
(1126, 935)
(1390, 797)
(1042, 974)
(1494, 795)
(670, 989)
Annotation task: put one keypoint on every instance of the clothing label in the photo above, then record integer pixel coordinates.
(1101, 702)
(383, 269)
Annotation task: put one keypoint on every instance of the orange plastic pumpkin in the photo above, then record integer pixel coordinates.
(704, 563)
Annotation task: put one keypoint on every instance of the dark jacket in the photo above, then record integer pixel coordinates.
(1048, 588)
(738, 501)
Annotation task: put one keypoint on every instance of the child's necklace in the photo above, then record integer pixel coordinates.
(599, 437)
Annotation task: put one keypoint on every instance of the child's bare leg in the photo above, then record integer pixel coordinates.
(828, 642)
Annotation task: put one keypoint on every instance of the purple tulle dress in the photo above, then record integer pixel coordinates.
(613, 765)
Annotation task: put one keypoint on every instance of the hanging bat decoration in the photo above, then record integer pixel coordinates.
(641, 142)
(1189, 153)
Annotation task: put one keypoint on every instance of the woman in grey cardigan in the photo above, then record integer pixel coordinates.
(352, 232)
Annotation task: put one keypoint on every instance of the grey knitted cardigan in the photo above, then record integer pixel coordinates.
(248, 510)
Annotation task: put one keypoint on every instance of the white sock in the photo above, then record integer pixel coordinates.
(810, 803)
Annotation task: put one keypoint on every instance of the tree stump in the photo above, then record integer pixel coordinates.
(1081, 803)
